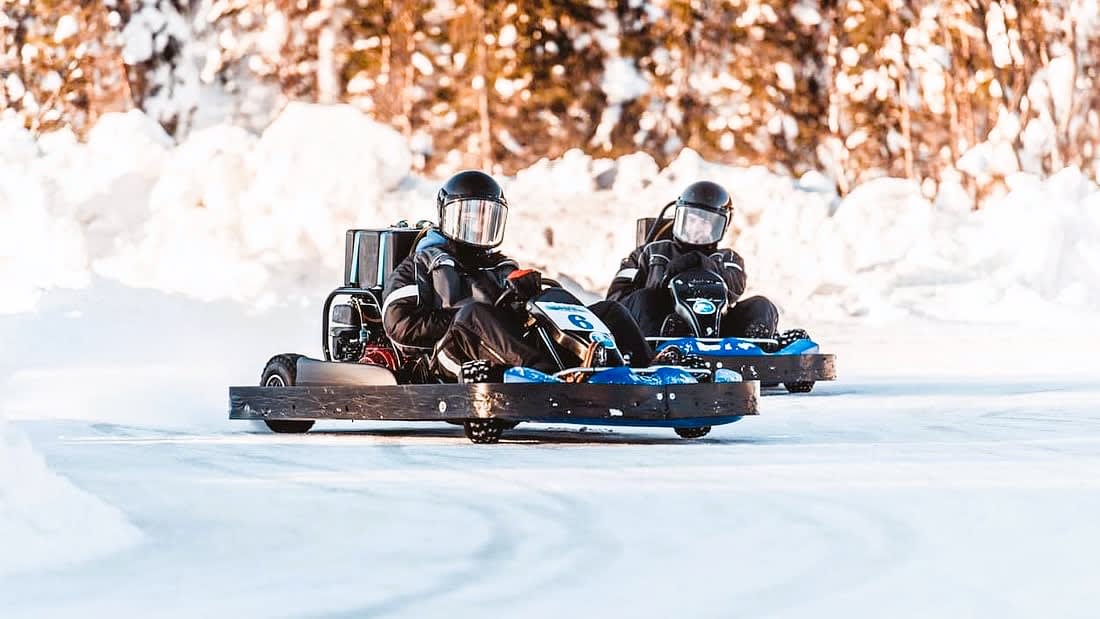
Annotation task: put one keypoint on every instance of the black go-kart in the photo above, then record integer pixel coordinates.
(363, 376)
(791, 358)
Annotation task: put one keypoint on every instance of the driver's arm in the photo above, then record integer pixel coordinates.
(409, 313)
(631, 271)
(731, 267)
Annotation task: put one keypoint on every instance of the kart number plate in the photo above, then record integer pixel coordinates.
(573, 317)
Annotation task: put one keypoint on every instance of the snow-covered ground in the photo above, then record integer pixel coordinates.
(44, 519)
(951, 471)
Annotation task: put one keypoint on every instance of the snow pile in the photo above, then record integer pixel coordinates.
(45, 521)
(140, 356)
(882, 252)
(223, 215)
(228, 215)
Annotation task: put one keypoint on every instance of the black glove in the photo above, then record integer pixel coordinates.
(525, 283)
(684, 262)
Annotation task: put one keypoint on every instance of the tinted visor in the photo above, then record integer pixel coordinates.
(697, 226)
(474, 221)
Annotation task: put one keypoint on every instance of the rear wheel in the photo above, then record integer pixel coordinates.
(282, 371)
(800, 386)
(699, 432)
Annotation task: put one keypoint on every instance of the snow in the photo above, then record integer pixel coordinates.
(422, 64)
(622, 82)
(260, 220)
(922, 483)
(952, 470)
(220, 216)
(806, 13)
(137, 36)
(15, 87)
(67, 26)
(785, 74)
(45, 520)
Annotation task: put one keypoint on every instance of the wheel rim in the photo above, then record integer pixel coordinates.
(274, 381)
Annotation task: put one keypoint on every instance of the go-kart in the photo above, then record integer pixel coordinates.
(700, 302)
(364, 376)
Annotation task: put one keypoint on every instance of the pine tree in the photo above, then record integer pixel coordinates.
(162, 66)
(60, 63)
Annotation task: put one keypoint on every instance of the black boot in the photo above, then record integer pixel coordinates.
(791, 336)
(760, 331)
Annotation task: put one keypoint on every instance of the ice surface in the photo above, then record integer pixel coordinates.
(951, 471)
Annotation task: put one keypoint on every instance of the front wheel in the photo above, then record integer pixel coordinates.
(282, 371)
(699, 432)
(483, 431)
(800, 387)
(289, 426)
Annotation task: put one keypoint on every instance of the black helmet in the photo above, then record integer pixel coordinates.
(472, 209)
(702, 213)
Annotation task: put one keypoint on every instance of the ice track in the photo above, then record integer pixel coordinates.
(932, 496)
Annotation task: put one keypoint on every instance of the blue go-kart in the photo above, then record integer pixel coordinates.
(699, 298)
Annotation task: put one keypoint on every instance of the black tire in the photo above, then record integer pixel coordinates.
(800, 386)
(483, 431)
(282, 371)
(699, 432)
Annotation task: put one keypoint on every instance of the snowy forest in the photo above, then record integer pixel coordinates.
(948, 91)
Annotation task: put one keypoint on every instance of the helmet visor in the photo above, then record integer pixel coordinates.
(474, 221)
(697, 226)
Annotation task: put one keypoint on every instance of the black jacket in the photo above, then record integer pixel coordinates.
(425, 291)
(647, 266)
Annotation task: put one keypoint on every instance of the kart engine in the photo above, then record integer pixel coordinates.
(349, 333)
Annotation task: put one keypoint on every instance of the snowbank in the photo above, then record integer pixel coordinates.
(258, 220)
(45, 521)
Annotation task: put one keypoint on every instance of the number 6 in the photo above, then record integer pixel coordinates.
(580, 321)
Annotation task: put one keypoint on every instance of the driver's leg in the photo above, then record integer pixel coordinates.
(628, 336)
(649, 307)
(481, 331)
(751, 317)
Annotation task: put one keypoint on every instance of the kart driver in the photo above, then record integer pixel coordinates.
(442, 299)
(701, 217)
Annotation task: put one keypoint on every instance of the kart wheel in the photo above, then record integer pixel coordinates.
(289, 426)
(800, 386)
(699, 432)
(483, 431)
(281, 371)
